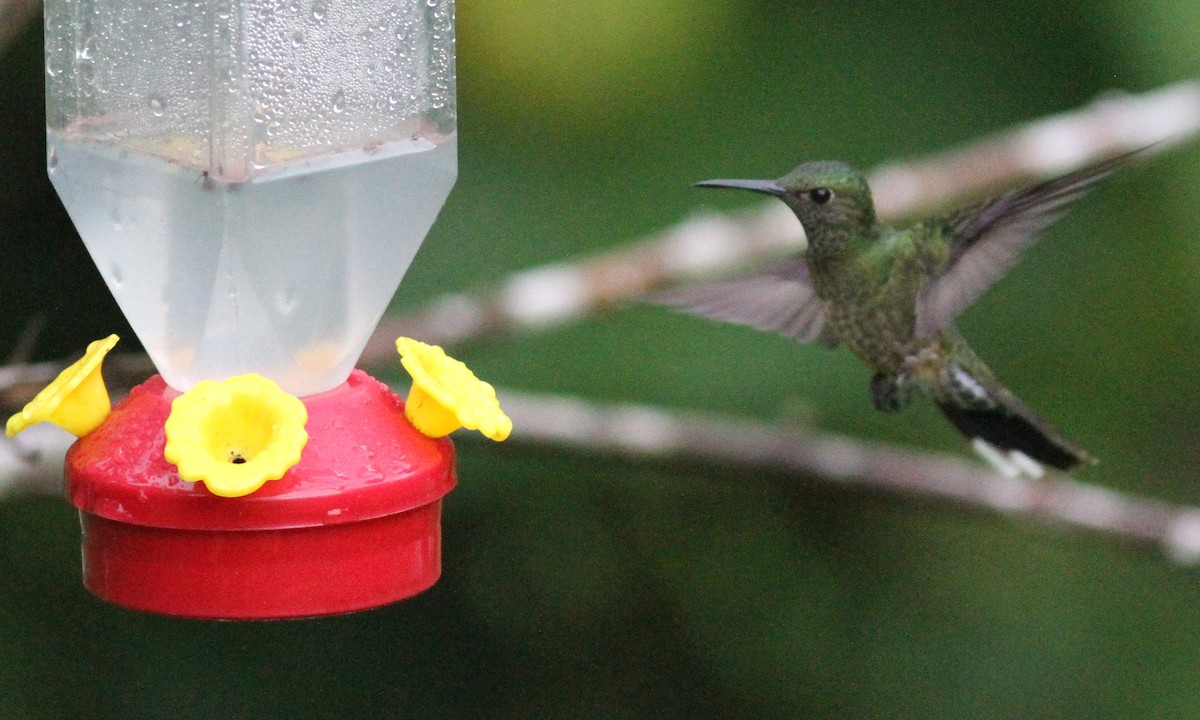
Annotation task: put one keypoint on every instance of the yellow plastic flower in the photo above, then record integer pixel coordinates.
(236, 434)
(446, 395)
(77, 401)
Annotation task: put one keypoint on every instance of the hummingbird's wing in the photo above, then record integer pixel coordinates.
(778, 299)
(986, 240)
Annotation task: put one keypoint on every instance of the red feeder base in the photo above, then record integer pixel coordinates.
(355, 524)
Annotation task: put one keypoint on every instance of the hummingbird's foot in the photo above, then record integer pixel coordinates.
(891, 393)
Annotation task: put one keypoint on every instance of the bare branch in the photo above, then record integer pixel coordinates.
(558, 293)
(1114, 124)
(641, 431)
(32, 465)
(32, 462)
(712, 244)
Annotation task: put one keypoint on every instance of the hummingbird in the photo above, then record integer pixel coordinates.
(891, 295)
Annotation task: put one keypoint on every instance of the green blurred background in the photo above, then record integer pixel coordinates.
(590, 586)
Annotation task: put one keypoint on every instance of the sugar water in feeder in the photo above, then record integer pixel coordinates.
(252, 177)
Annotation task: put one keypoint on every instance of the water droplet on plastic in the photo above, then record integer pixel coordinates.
(117, 278)
(286, 301)
(157, 105)
(318, 11)
(297, 39)
(52, 160)
(339, 101)
(85, 51)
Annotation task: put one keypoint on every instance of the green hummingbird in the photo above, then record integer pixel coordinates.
(891, 295)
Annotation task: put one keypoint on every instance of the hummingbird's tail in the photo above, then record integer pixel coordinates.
(982, 408)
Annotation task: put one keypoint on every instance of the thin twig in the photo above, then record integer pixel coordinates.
(646, 432)
(33, 465)
(713, 244)
(27, 340)
(32, 462)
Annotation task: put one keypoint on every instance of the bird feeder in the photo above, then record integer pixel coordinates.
(252, 178)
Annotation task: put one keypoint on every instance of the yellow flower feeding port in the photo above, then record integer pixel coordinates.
(236, 434)
(447, 396)
(77, 401)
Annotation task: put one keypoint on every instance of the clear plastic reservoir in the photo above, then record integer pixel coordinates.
(252, 178)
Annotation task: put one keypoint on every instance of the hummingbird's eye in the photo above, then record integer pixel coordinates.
(820, 195)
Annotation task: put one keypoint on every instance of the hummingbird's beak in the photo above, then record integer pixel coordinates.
(769, 187)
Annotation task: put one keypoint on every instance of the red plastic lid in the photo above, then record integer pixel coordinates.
(363, 460)
(355, 524)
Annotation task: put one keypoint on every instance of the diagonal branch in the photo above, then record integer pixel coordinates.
(713, 244)
(645, 432)
(32, 465)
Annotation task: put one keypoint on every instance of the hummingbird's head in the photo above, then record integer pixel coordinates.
(831, 199)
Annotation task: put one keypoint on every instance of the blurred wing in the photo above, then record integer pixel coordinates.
(779, 299)
(987, 239)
